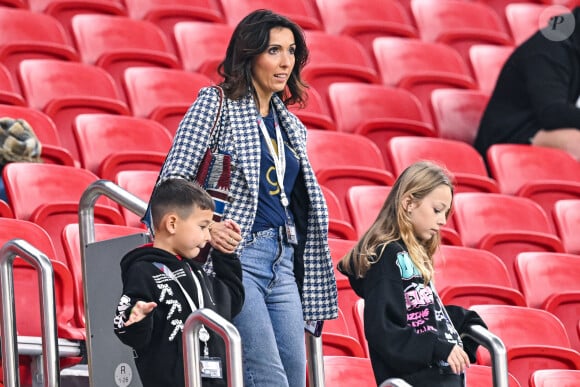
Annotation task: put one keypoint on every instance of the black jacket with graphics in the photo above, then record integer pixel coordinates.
(157, 339)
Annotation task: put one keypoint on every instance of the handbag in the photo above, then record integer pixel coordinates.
(213, 174)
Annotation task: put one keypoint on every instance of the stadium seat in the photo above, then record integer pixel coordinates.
(45, 130)
(421, 67)
(337, 325)
(338, 224)
(14, 3)
(300, 11)
(140, 184)
(459, 24)
(338, 249)
(525, 19)
(9, 93)
(481, 376)
(201, 46)
(365, 21)
(116, 43)
(49, 87)
(555, 378)
(486, 63)
(359, 322)
(503, 224)
(30, 232)
(65, 10)
(341, 160)
(459, 284)
(345, 371)
(165, 14)
(5, 210)
(542, 174)
(336, 58)
(31, 35)
(70, 241)
(462, 160)
(534, 339)
(337, 340)
(314, 114)
(378, 112)
(162, 95)
(567, 220)
(105, 139)
(549, 281)
(456, 113)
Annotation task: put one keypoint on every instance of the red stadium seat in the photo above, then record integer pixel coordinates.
(359, 322)
(5, 210)
(365, 21)
(116, 43)
(486, 63)
(9, 94)
(299, 11)
(462, 160)
(345, 371)
(44, 128)
(336, 58)
(542, 174)
(567, 220)
(48, 86)
(338, 341)
(140, 184)
(338, 224)
(162, 95)
(527, 18)
(459, 24)
(459, 284)
(338, 249)
(103, 139)
(378, 112)
(341, 160)
(550, 281)
(503, 224)
(481, 376)
(70, 241)
(457, 113)
(31, 35)
(14, 3)
(421, 67)
(314, 115)
(201, 46)
(555, 378)
(534, 339)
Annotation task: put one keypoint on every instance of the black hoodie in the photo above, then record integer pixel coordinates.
(537, 88)
(406, 328)
(157, 339)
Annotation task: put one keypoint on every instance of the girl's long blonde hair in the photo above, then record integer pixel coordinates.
(393, 223)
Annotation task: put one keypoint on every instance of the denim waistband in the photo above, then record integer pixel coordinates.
(270, 232)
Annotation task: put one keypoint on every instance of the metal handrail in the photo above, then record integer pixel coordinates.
(231, 337)
(315, 360)
(50, 364)
(497, 351)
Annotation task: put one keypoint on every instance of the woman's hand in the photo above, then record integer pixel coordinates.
(139, 311)
(458, 360)
(225, 236)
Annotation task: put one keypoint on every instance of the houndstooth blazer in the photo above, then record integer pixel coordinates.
(239, 136)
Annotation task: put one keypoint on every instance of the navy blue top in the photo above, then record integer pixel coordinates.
(270, 211)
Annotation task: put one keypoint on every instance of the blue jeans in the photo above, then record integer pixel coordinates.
(271, 324)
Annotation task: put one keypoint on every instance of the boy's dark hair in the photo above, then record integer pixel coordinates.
(250, 39)
(178, 195)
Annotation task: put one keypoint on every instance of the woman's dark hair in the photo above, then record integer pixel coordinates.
(250, 39)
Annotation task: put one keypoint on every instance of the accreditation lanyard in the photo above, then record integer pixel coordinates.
(279, 159)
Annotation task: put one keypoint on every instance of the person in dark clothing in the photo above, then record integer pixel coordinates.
(411, 335)
(535, 100)
(163, 285)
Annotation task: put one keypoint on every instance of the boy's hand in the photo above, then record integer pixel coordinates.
(225, 236)
(139, 311)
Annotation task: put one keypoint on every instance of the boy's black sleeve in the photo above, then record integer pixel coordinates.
(462, 319)
(227, 284)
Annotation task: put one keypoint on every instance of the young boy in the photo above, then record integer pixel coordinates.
(161, 283)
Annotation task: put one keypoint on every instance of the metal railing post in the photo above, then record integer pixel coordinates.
(231, 337)
(41, 263)
(315, 361)
(497, 351)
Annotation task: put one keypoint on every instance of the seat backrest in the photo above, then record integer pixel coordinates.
(343, 371)
(525, 19)
(302, 12)
(9, 93)
(557, 273)
(28, 231)
(456, 113)
(566, 216)
(481, 376)
(364, 204)
(514, 165)
(43, 126)
(555, 378)
(486, 62)
(102, 135)
(140, 184)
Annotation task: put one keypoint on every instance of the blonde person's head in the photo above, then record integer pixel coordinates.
(393, 222)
